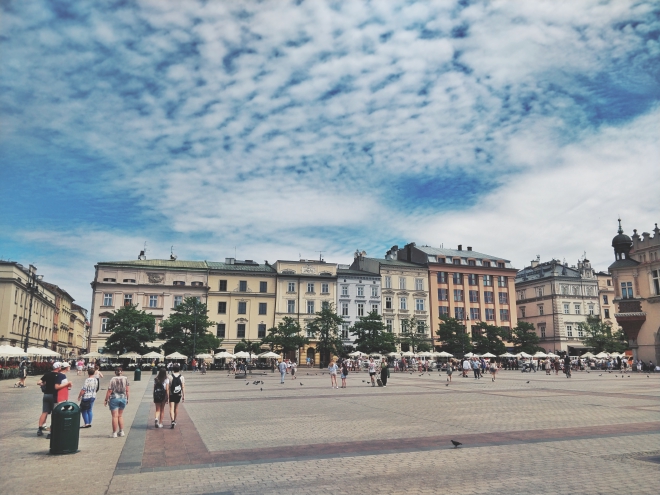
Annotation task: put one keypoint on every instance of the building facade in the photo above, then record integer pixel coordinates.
(241, 300)
(358, 294)
(63, 331)
(606, 299)
(155, 286)
(80, 325)
(636, 280)
(556, 298)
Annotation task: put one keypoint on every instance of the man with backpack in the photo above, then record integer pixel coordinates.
(177, 392)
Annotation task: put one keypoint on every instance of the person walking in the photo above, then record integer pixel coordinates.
(282, 368)
(22, 375)
(567, 366)
(87, 396)
(475, 368)
(372, 371)
(384, 370)
(161, 396)
(450, 370)
(116, 398)
(294, 367)
(50, 383)
(79, 366)
(466, 367)
(333, 368)
(177, 393)
(344, 373)
(493, 370)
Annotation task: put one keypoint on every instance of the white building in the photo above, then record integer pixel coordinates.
(358, 294)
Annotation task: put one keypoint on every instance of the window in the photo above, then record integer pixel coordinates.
(569, 330)
(459, 313)
(325, 305)
(520, 294)
(476, 331)
(388, 303)
(107, 299)
(421, 327)
(541, 310)
(500, 264)
(310, 307)
(504, 298)
(458, 295)
(442, 295)
(609, 282)
(504, 315)
(291, 306)
(419, 304)
(580, 332)
(442, 277)
(310, 287)
(242, 285)
(153, 301)
(325, 289)
(474, 296)
(291, 287)
(360, 290)
(656, 281)
(522, 312)
(388, 282)
(626, 290)
(178, 300)
(223, 286)
(374, 291)
(129, 280)
(344, 309)
(472, 279)
(374, 308)
(403, 303)
(490, 314)
(419, 284)
(128, 299)
(567, 309)
(443, 310)
(501, 281)
(475, 314)
(360, 309)
(605, 300)
(344, 290)
(263, 307)
(178, 282)
(471, 263)
(402, 283)
(242, 307)
(457, 278)
(577, 309)
(489, 297)
(456, 261)
(542, 330)
(222, 308)
(104, 325)
(197, 284)
(607, 313)
(388, 325)
(263, 287)
(486, 263)
(488, 280)
(109, 279)
(240, 331)
(344, 331)
(261, 330)
(220, 331)
(591, 309)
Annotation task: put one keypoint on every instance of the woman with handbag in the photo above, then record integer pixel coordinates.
(87, 396)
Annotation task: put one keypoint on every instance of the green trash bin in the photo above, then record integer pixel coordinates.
(138, 375)
(154, 370)
(65, 428)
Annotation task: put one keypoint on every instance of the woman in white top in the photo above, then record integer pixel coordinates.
(333, 368)
(161, 396)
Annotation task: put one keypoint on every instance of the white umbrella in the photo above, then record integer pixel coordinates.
(375, 354)
(204, 356)
(470, 354)
(269, 354)
(357, 353)
(224, 355)
(92, 355)
(39, 351)
(443, 354)
(488, 355)
(130, 355)
(11, 351)
(552, 355)
(152, 355)
(425, 354)
(245, 355)
(408, 354)
(391, 354)
(540, 354)
(523, 355)
(587, 355)
(176, 355)
(602, 355)
(508, 355)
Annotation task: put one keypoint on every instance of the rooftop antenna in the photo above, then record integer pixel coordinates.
(172, 257)
(320, 255)
(143, 253)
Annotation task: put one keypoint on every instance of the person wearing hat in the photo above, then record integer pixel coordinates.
(50, 384)
(63, 392)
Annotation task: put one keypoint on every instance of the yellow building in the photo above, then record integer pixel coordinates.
(15, 298)
(80, 327)
(241, 300)
(63, 324)
(606, 295)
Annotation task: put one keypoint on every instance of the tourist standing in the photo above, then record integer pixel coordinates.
(372, 371)
(161, 393)
(282, 368)
(50, 383)
(333, 368)
(466, 367)
(87, 396)
(63, 391)
(344, 373)
(22, 375)
(384, 369)
(177, 393)
(450, 370)
(116, 398)
(79, 366)
(294, 367)
(475, 368)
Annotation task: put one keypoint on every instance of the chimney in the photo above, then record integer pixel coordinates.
(469, 248)
(229, 261)
(460, 247)
(535, 263)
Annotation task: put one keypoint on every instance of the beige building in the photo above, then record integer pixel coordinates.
(241, 300)
(606, 297)
(636, 280)
(63, 324)
(15, 298)
(556, 298)
(80, 325)
(155, 286)
(303, 287)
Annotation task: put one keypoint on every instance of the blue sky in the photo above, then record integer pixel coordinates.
(278, 129)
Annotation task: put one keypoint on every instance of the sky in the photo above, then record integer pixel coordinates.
(273, 130)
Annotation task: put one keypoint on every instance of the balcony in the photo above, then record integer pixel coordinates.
(630, 317)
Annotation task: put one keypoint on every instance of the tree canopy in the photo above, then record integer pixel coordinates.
(286, 336)
(415, 334)
(371, 335)
(325, 330)
(186, 329)
(453, 336)
(599, 335)
(130, 330)
(248, 346)
(489, 340)
(525, 339)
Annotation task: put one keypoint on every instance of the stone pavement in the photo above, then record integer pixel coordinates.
(525, 433)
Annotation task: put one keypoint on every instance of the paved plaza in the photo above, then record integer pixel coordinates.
(525, 433)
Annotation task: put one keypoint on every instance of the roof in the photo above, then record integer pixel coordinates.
(356, 273)
(195, 265)
(56, 288)
(624, 263)
(547, 269)
(458, 254)
(240, 267)
(406, 264)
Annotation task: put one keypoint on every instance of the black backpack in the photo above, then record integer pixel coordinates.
(175, 388)
(159, 392)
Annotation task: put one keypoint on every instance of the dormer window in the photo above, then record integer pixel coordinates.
(178, 282)
(129, 280)
(109, 279)
(486, 263)
(197, 284)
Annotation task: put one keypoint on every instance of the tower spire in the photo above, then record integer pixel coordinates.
(620, 229)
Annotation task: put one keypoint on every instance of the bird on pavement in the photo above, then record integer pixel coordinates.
(456, 444)
(600, 374)
(446, 384)
(261, 388)
(247, 383)
(301, 384)
(527, 381)
(363, 381)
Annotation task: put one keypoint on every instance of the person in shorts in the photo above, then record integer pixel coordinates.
(450, 370)
(116, 398)
(372, 371)
(177, 393)
(344, 373)
(50, 383)
(294, 367)
(333, 368)
(493, 370)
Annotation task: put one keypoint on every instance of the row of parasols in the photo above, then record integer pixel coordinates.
(11, 351)
(428, 354)
(178, 355)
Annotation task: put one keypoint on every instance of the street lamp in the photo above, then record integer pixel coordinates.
(195, 329)
(33, 287)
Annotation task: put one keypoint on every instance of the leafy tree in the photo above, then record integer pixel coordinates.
(248, 346)
(490, 340)
(454, 337)
(600, 336)
(325, 329)
(414, 333)
(286, 336)
(186, 329)
(131, 330)
(525, 339)
(372, 336)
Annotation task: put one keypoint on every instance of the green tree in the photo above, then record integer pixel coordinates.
(130, 331)
(248, 346)
(599, 336)
(453, 336)
(186, 329)
(524, 338)
(415, 334)
(325, 330)
(286, 336)
(490, 340)
(372, 336)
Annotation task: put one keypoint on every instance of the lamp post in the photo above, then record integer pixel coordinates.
(195, 329)
(32, 286)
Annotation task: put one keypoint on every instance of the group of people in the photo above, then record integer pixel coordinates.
(168, 389)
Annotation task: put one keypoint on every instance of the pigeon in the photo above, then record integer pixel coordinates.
(363, 381)
(456, 444)
(527, 381)
(301, 384)
(616, 376)
(446, 384)
(600, 374)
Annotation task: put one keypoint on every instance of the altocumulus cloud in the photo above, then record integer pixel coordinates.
(284, 128)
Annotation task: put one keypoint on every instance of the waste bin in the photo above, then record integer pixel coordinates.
(154, 370)
(65, 428)
(138, 375)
